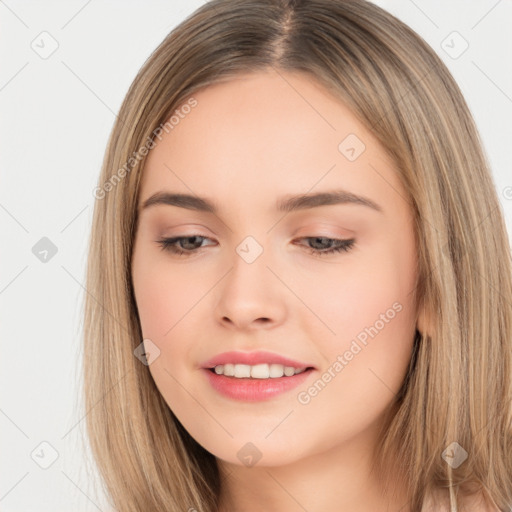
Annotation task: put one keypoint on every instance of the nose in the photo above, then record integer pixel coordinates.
(251, 295)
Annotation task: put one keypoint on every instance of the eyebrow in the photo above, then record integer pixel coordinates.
(285, 204)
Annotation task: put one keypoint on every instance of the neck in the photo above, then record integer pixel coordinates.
(333, 478)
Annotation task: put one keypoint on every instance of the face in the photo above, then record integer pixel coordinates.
(255, 277)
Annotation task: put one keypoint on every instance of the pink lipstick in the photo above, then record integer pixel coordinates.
(254, 376)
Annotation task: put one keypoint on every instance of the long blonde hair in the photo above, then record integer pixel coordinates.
(459, 386)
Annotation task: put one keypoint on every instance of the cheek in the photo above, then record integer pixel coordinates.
(347, 299)
(155, 303)
(163, 296)
(170, 303)
(163, 303)
(366, 356)
(367, 316)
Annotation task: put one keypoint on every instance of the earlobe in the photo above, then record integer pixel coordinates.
(424, 322)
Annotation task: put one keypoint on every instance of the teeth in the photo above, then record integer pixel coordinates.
(258, 371)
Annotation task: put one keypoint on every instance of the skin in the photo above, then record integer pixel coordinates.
(248, 142)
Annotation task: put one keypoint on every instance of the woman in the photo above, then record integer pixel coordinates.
(299, 276)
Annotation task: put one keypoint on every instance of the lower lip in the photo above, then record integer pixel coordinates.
(253, 390)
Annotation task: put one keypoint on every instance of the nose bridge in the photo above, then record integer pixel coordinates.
(250, 249)
(248, 293)
(249, 272)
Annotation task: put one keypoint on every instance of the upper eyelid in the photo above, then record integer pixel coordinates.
(314, 235)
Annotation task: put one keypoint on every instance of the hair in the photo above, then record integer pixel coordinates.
(458, 387)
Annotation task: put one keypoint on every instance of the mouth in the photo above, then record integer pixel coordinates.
(251, 383)
(258, 371)
(255, 376)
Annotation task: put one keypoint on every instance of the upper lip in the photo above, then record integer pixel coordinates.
(252, 358)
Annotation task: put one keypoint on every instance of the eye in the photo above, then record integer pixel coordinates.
(192, 244)
(339, 245)
(169, 244)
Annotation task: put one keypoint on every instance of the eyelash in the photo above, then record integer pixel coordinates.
(168, 244)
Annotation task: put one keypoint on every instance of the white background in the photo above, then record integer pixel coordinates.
(56, 116)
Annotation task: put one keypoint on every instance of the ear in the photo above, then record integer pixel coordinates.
(424, 322)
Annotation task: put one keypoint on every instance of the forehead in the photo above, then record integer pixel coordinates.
(265, 134)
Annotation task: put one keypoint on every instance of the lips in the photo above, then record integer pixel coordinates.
(253, 358)
(253, 390)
